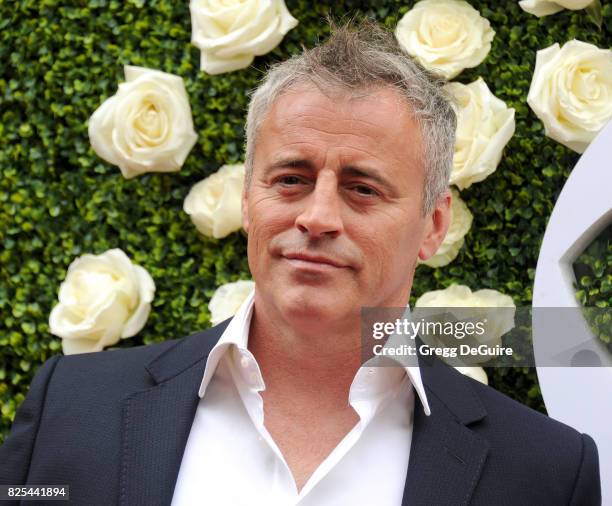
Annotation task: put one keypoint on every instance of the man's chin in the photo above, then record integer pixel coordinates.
(313, 309)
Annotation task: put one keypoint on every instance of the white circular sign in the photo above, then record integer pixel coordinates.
(578, 396)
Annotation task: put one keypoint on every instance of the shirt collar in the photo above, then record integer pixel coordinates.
(237, 334)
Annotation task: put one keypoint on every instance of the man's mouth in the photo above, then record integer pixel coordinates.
(316, 261)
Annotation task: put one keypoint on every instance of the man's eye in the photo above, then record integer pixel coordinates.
(365, 190)
(289, 180)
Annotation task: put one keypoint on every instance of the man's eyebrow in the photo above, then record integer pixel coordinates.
(347, 170)
(296, 163)
(370, 173)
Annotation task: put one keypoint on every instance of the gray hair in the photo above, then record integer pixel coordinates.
(356, 58)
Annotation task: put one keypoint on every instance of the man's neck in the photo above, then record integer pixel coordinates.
(307, 378)
(301, 363)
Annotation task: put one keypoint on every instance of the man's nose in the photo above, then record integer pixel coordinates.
(322, 212)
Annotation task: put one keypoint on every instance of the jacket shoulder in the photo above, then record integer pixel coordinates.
(142, 354)
(506, 411)
(538, 450)
(116, 365)
(117, 370)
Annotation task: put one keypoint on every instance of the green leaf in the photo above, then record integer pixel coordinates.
(594, 13)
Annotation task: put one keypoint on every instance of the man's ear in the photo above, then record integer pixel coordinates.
(244, 209)
(437, 226)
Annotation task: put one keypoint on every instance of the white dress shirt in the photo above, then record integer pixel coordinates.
(231, 459)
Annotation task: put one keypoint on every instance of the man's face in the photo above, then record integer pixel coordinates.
(337, 181)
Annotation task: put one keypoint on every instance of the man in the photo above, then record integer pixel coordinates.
(349, 147)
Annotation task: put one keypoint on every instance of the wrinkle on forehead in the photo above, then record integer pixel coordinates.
(341, 110)
(350, 99)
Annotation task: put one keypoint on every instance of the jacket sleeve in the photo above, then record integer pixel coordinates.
(587, 487)
(16, 452)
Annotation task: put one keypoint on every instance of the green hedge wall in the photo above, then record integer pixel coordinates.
(593, 273)
(59, 200)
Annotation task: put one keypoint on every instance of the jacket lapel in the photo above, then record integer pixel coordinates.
(156, 422)
(446, 456)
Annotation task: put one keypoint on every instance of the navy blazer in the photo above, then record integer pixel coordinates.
(114, 425)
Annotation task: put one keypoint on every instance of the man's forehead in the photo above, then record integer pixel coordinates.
(308, 96)
(377, 119)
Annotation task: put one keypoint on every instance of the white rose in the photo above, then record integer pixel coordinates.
(541, 8)
(571, 92)
(484, 126)
(227, 299)
(214, 204)
(103, 298)
(497, 309)
(477, 373)
(146, 126)
(461, 221)
(445, 36)
(230, 33)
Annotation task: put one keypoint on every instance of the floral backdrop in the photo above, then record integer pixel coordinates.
(122, 159)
